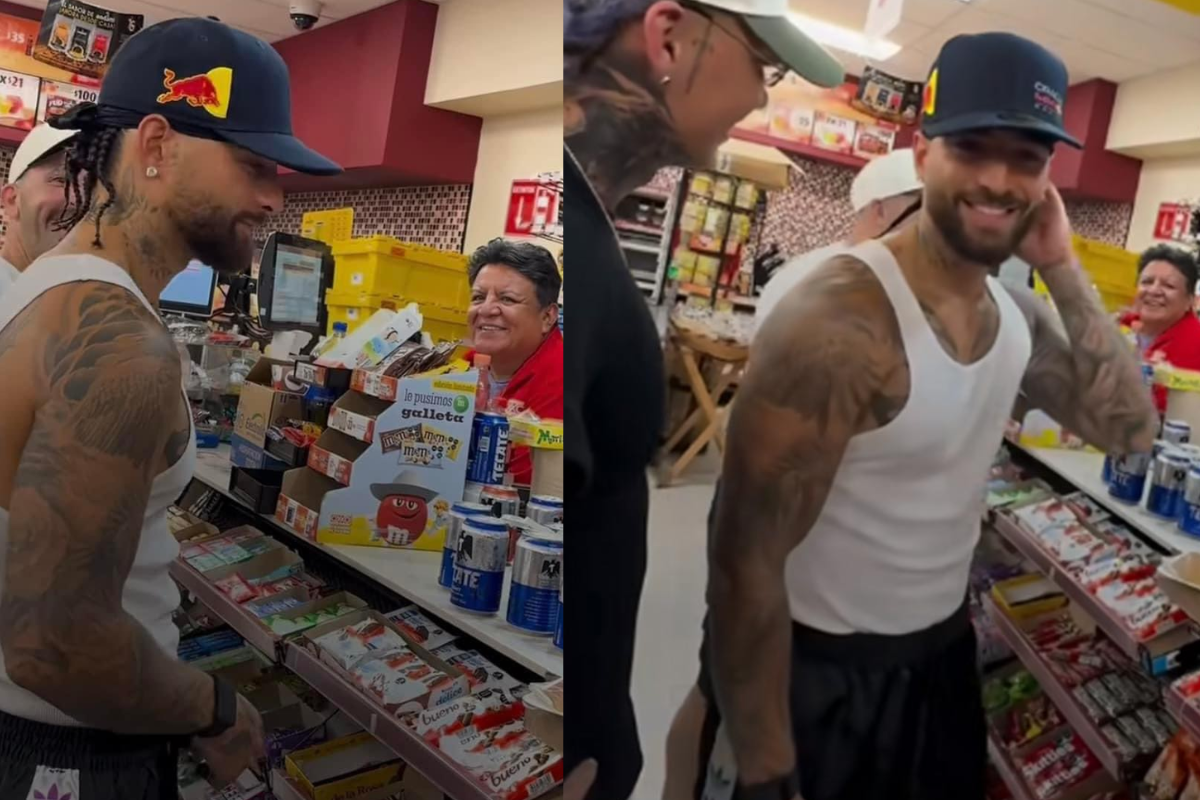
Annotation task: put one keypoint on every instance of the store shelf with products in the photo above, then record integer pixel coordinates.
(412, 575)
(644, 222)
(232, 613)
(397, 736)
(1082, 468)
(1155, 653)
(1076, 716)
(1008, 772)
(800, 149)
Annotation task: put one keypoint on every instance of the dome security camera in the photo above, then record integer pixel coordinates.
(304, 13)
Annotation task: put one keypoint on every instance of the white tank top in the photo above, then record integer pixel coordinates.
(149, 595)
(891, 550)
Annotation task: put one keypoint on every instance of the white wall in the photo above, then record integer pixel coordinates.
(496, 49)
(1164, 180)
(1157, 114)
(510, 147)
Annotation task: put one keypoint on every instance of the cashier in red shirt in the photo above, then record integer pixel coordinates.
(1163, 315)
(514, 319)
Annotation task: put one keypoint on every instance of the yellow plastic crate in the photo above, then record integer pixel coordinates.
(381, 265)
(355, 308)
(1113, 272)
(333, 225)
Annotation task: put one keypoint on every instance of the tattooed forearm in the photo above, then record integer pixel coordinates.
(828, 365)
(78, 504)
(1089, 380)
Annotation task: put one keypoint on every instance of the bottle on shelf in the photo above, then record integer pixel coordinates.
(483, 363)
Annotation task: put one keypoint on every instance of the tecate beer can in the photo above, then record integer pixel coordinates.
(536, 579)
(544, 509)
(479, 565)
(1129, 477)
(1177, 431)
(1189, 512)
(522, 526)
(459, 512)
(489, 449)
(505, 498)
(1106, 470)
(1168, 476)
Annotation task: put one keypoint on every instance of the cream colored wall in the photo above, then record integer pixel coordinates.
(489, 47)
(510, 147)
(1158, 115)
(1163, 180)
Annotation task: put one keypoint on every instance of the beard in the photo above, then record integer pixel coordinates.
(215, 235)
(990, 252)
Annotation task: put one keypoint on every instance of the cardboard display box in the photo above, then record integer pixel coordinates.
(273, 565)
(283, 450)
(258, 488)
(352, 766)
(261, 405)
(402, 485)
(334, 455)
(312, 605)
(300, 498)
(335, 378)
(355, 414)
(546, 439)
(187, 527)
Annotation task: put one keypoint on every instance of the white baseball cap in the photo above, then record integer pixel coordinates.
(770, 22)
(39, 143)
(884, 177)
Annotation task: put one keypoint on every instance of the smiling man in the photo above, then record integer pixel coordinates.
(840, 653)
(32, 200)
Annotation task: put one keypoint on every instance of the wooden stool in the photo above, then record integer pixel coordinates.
(694, 347)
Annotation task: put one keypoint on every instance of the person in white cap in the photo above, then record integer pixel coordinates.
(32, 200)
(647, 84)
(884, 195)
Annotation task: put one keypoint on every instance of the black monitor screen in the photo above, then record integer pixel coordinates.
(191, 291)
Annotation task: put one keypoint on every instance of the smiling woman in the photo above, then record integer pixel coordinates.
(514, 320)
(1163, 314)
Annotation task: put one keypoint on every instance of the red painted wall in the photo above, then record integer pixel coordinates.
(1094, 172)
(358, 92)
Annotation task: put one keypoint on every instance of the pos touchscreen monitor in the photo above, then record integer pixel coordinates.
(293, 276)
(191, 291)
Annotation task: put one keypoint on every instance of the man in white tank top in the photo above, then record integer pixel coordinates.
(178, 161)
(32, 200)
(840, 655)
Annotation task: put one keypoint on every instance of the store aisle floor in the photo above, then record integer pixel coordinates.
(665, 664)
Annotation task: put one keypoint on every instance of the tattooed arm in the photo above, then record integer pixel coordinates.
(1085, 377)
(110, 400)
(827, 365)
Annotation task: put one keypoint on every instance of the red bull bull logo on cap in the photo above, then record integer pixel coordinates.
(209, 90)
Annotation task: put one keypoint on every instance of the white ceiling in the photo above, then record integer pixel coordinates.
(267, 19)
(1112, 39)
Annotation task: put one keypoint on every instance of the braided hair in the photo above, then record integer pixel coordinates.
(90, 156)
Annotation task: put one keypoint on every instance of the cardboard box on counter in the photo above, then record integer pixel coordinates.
(546, 440)
(355, 415)
(335, 378)
(273, 565)
(402, 485)
(261, 405)
(300, 499)
(334, 454)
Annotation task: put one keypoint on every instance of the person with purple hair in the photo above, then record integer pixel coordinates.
(648, 84)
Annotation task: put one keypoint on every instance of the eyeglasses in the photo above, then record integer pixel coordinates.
(773, 71)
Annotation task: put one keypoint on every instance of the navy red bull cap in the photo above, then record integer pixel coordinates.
(212, 80)
(996, 80)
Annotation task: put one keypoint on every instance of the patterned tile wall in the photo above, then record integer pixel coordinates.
(435, 216)
(815, 209)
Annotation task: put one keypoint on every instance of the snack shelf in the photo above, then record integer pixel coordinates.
(1185, 713)
(1072, 712)
(392, 732)
(1147, 653)
(229, 611)
(1008, 771)
(412, 574)
(1082, 468)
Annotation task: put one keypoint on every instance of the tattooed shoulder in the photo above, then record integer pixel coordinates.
(834, 345)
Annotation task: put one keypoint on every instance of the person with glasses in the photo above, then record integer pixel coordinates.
(885, 194)
(648, 84)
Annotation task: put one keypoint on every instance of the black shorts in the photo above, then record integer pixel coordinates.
(46, 761)
(881, 717)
